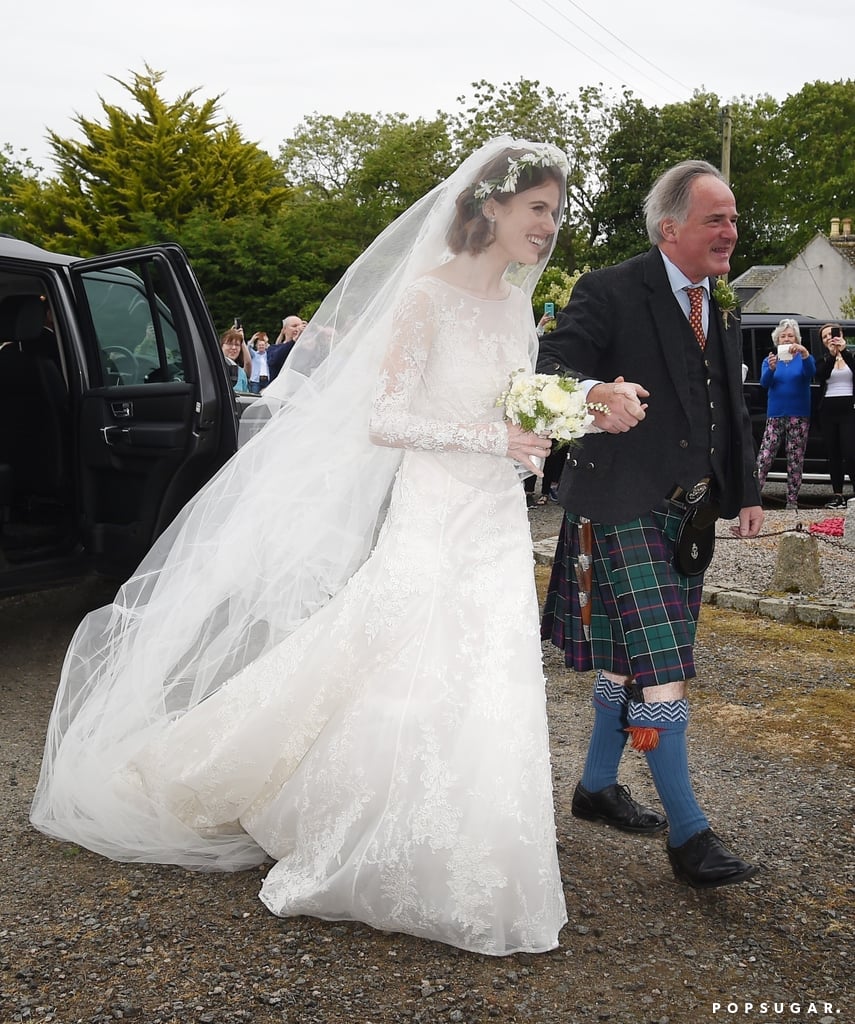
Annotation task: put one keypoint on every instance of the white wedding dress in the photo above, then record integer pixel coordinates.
(391, 755)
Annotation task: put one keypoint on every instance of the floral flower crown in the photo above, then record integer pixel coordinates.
(545, 156)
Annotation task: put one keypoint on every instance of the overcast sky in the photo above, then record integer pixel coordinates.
(274, 64)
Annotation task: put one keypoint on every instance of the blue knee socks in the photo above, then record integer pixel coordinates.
(608, 737)
(669, 766)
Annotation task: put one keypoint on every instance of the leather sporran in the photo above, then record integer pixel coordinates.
(695, 543)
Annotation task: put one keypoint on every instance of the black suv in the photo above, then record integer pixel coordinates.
(116, 407)
(756, 345)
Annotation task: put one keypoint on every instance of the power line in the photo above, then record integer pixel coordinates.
(661, 71)
(573, 46)
(644, 74)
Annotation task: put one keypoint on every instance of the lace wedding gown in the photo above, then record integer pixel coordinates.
(392, 754)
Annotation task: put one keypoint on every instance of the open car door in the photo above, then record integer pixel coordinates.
(157, 415)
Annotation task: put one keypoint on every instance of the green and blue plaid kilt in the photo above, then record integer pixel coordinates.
(644, 613)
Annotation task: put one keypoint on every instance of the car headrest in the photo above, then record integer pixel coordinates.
(22, 318)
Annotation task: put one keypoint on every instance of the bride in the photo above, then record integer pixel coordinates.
(363, 703)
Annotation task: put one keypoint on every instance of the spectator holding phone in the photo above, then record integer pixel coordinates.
(786, 374)
(836, 376)
(245, 358)
(547, 318)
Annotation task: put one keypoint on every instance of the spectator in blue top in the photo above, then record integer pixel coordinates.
(786, 375)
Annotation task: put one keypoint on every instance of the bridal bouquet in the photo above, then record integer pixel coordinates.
(549, 404)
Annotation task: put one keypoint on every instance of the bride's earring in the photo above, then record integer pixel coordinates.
(488, 212)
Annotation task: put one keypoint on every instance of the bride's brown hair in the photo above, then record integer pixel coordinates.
(470, 231)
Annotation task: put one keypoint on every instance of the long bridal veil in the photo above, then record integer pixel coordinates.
(268, 541)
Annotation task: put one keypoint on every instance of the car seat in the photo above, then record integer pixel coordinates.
(35, 420)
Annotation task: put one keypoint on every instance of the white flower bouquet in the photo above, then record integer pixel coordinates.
(549, 404)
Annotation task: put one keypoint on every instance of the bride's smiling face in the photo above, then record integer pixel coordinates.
(524, 226)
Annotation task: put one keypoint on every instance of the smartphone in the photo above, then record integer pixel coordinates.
(238, 323)
(836, 332)
(549, 309)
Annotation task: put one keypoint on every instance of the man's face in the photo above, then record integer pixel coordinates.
(701, 246)
(293, 324)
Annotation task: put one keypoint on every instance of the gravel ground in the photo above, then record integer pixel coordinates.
(85, 939)
(750, 565)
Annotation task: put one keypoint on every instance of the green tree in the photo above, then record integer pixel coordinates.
(14, 173)
(752, 183)
(847, 305)
(523, 110)
(351, 155)
(406, 161)
(138, 176)
(810, 157)
(350, 176)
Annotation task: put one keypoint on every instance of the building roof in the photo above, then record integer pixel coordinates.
(757, 277)
(845, 245)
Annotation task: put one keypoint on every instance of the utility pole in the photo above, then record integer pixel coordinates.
(726, 136)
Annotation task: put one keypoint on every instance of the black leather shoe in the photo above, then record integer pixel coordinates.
(614, 806)
(704, 862)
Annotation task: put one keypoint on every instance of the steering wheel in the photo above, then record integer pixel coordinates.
(124, 362)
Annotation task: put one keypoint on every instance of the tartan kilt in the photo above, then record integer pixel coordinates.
(644, 613)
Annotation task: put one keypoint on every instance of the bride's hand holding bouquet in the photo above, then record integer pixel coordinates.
(524, 447)
(544, 406)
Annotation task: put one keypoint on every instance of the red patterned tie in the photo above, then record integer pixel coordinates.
(696, 314)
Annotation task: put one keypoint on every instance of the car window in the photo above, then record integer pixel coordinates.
(133, 324)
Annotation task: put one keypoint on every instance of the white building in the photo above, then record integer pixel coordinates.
(815, 283)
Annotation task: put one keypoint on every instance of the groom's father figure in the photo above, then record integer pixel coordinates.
(653, 319)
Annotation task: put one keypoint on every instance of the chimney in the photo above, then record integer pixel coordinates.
(835, 227)
(847, 226)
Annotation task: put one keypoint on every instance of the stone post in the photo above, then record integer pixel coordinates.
(797, 568)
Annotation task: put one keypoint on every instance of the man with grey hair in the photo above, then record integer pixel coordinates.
(292, 328)
(642, 498)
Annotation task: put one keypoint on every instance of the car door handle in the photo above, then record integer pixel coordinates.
(114, 434)
(122, 410)
(148, 435)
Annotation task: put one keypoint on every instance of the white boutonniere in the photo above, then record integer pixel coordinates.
(726, 301)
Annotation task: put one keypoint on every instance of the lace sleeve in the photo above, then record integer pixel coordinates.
(394, 422)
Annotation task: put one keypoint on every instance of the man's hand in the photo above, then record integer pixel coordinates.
(750, 522)
(522, 445)
(626, 410)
